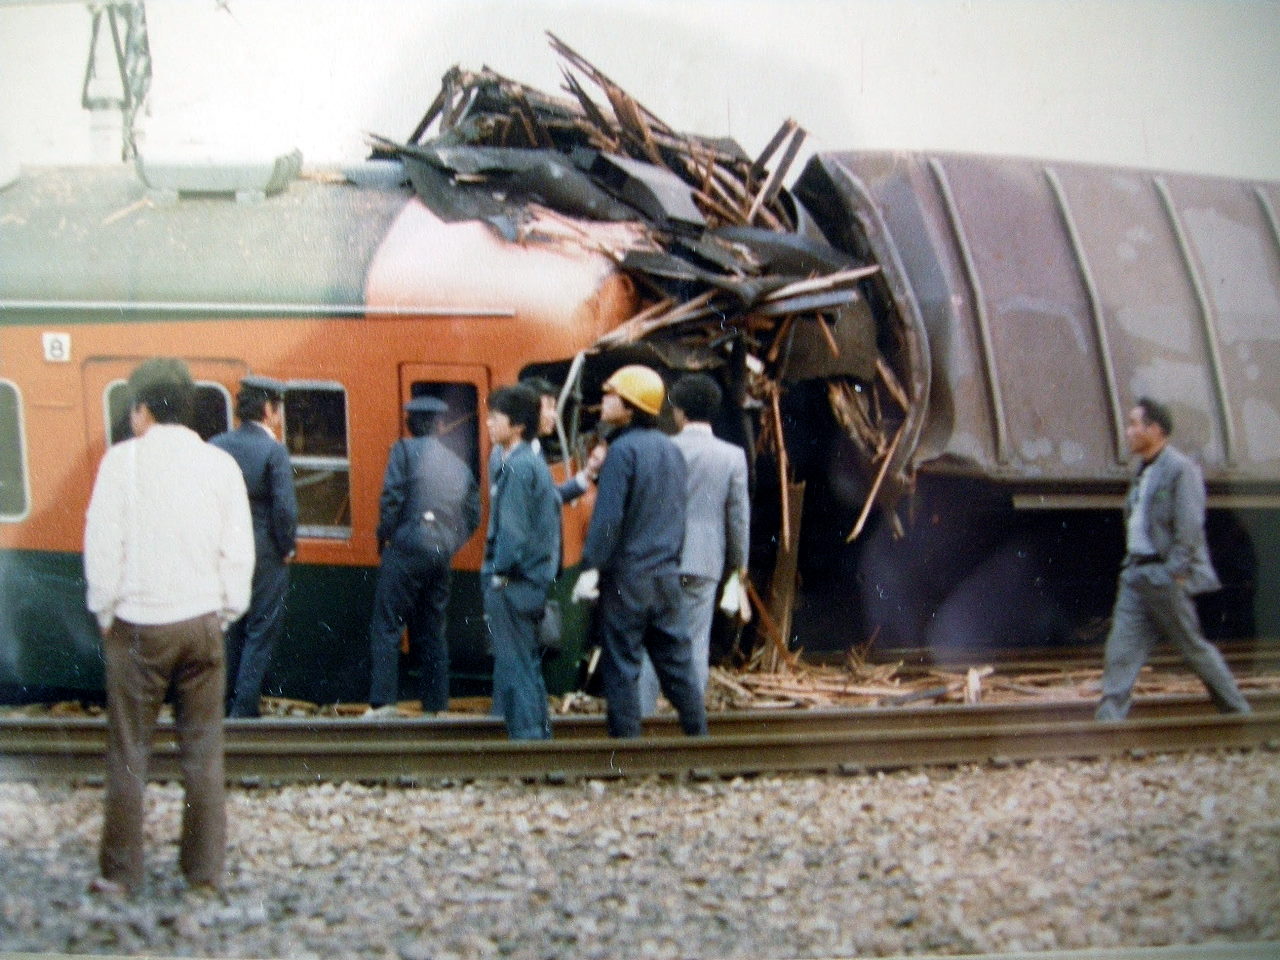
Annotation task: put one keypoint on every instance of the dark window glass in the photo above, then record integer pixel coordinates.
(315, 433)
(459, 427)
(117, 403)
(13, 455)
(211, 410)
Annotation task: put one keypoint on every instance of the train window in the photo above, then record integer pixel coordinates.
(212, 413)
(315, 433)
(459, 428)
(212, 410)
(14, 496)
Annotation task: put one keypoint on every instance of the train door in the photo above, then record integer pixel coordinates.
(106, 397)
(464, 389)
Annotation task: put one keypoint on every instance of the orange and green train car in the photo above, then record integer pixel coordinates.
(356, 297)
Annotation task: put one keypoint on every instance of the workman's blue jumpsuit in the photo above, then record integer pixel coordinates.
(635, 538)
(521, 559)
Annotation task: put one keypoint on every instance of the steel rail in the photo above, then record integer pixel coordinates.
(432, 749)
(88, 734)
(1264, 651)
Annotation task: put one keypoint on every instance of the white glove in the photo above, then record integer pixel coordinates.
(587, 587)
(733, 600)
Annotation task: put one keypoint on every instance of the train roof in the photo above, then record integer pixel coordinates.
(1052, 295)
(98, 234)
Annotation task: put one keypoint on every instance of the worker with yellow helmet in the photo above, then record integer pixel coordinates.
(631, 559)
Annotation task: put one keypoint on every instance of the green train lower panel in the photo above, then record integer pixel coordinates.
(50, 648)
(49, 643)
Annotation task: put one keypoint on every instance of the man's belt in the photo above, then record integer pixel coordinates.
(1142, 559)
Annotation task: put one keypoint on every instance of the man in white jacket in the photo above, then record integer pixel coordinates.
(168, 558)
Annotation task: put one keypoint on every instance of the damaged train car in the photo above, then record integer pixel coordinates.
(927, 358)
(354, 294)
(1039, 301)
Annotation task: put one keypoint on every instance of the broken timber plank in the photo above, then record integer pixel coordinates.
(875, 487)
(773, 183)
(782, 589)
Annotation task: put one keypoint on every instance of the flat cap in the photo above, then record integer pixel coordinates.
(426, 405)
(269, 384)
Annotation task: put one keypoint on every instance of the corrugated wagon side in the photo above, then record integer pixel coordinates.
(1037, 301)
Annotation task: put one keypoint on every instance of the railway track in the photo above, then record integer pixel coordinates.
(433, 749)
(1262, 653)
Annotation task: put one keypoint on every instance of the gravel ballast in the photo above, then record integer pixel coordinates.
(1116, 852)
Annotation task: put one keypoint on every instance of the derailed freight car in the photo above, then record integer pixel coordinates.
(1027, 304)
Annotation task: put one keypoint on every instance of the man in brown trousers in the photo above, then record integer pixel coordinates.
(168, 557)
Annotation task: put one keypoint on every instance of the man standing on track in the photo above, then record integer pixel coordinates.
(521, 559)
(717, 521)
(631, 559)
(1166, 563)
(430, 505)
(268, 477)
(168, 557)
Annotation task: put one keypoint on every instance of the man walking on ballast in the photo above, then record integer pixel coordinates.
(1166, 564)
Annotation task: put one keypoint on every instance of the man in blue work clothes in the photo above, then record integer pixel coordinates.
(631, 560)
(430, 506)
(268, 476)
(521, 559)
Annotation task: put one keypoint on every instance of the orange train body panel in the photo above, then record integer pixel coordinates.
(516, 305)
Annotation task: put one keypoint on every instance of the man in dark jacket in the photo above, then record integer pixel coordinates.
(631, 560)
(430, 506)
(521, 558)
(268, 477)
(1166, 564)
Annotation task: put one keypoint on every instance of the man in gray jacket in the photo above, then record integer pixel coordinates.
(1166, 564)
(717, 521)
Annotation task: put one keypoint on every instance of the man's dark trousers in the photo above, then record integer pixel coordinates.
(639, 614)
(252, 639)
(412, 590)
(143, 663)
(519, 692)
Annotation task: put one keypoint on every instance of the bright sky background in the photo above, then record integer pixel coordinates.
(1176, 84)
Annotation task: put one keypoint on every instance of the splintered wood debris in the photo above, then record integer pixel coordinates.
(727, 275)
(808, 686)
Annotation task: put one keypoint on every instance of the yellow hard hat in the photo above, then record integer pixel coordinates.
(639, 386)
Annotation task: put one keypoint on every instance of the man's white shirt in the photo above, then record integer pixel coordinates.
(168, 534)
